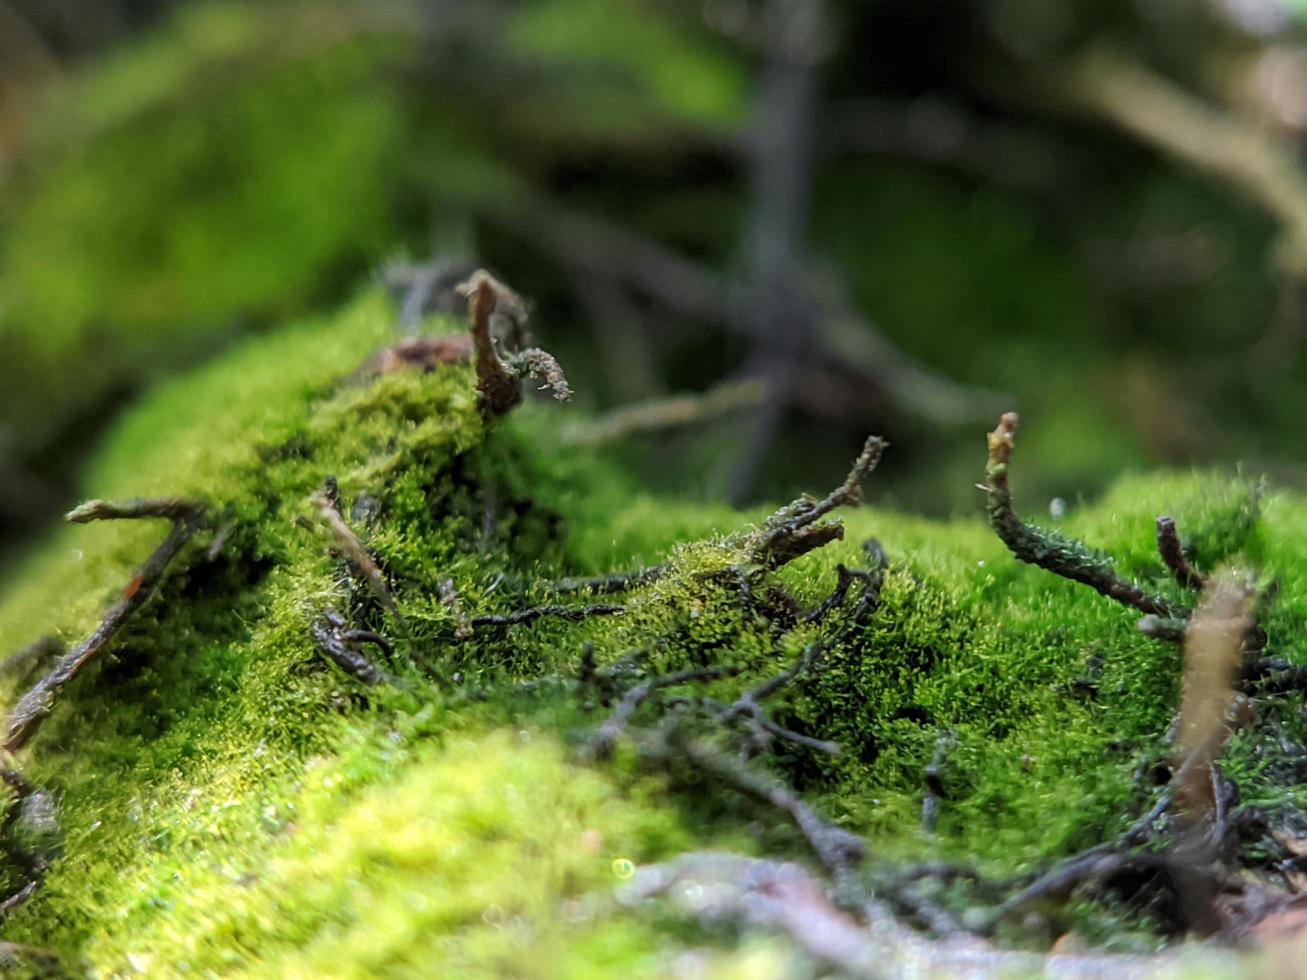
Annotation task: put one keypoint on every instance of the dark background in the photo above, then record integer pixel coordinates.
(899, 216)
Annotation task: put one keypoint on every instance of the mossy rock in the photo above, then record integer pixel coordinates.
(232, 804)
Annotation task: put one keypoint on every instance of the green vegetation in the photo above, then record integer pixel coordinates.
(230, 802)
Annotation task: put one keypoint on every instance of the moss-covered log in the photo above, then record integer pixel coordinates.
(231, 802)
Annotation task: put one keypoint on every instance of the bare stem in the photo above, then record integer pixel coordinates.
(36, 705)
(1052, 551)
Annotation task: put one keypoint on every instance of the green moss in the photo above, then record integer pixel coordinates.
(231, 804)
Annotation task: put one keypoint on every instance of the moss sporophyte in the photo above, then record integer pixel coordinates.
(369, 697)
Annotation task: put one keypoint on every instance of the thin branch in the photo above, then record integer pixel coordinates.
(530, 615)
(542, 366)
(790, 532)
(1213, 644)
(612, 729)
(327, 503)
(610, 584)
(837, 849)
(170, 508)
(1158, 112)
(340, 646)
(27, 716)
(664, 414)
(1052, 551)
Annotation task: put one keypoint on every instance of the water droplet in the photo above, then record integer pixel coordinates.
(624, 868)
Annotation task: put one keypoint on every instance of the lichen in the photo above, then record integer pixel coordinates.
(231, 803)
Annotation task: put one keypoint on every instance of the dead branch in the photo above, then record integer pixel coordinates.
(609, 584)
(497, 384)
(837, 849)
(170, 508)
(530, 615)
(1213, 645)
(36, 705)
(794, 529)
(1049, 550)
(785, 898)
(340, 645)
(327, 502)
(1249, 157)
(1172, 552)
(606, 738)
(664, 414)
(542, 366)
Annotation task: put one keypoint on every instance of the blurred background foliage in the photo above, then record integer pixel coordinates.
(858, 215)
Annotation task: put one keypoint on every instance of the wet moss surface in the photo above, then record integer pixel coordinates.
(231, 803)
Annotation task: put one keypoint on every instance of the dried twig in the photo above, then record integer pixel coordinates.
(609, 584)
(531, 614)
(340, 645)
(36, 705)
(664, 414)
(837, 849)
(612, 729)
(797, 528)
(1213, 644)
(1172, 552)
(496, 382)
(786, 898)
(542, 366)
(1052, 551)
(327, 502)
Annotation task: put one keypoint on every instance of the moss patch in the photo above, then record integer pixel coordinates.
(230, 803)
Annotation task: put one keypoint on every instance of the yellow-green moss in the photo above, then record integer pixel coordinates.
(230, 803)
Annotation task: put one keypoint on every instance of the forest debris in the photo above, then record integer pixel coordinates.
(27, 716)
(761, 728)
(872, 579)
(838, 850)
(1213, 645)
(499, 379)
(785, 898)
(611, 583)
(532, 613)
(172, 508)
(797, 528)
(1050, 550)
(606, 738)
(340, 645)
(664, 414)
(327, 503)
(1169, 547)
